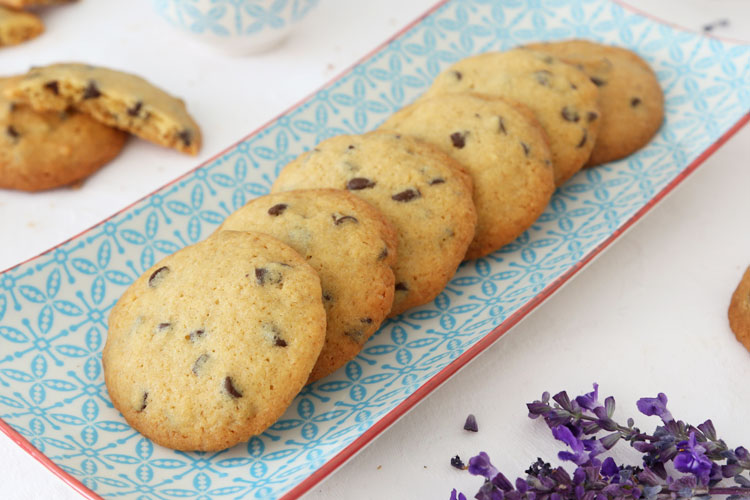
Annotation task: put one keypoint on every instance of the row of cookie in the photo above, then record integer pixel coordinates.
(487, 151)
(60, 123)
(16, 25)
(388, 239)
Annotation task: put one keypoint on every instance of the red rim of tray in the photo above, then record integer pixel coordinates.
(443, 375)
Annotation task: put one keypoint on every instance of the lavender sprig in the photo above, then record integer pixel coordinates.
(699, 459)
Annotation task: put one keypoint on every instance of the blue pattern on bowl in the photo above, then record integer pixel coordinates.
(233, 18)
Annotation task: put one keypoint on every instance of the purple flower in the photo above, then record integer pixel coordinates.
(655, 406)
(502, 482)
(471, 423)
(480, 465)
(594, 447)
(457, 496)
(522, 486)
(589, 400)
(538, 408)
(609, 467)
(578, 456)
(489, 492)
(692, 459)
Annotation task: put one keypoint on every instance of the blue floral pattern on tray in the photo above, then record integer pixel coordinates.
(53, 309)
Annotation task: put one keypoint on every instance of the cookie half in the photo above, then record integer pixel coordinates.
(630, 97)
(210, 346)
(118, 99)
(503, 149)
(562, 97)
(423, 192)
(739, 310)
(50, 149)
(22, 4)
(17, 27)
(351, 246)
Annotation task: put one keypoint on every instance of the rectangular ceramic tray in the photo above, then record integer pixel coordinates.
(53, 309)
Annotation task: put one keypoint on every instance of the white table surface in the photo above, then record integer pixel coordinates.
(649, 315)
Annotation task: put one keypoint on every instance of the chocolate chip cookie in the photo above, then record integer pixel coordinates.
(210, 346)
(351, 246)
(118, 99)
(739, 310)
(504, 150)
(49, 149)
(17, 27)
(562, 97)
(423, 192)
(630, 98)
(22, 4)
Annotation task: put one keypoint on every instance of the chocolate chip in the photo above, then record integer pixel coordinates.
(459, 139)
(327, 296)
(383, 253)
(340, 220)
(272, 334)
(229, 387)
(501, 125)
(91, 91)
(570, 115)
(542, 77)
(135, 109)
(186, 137)
(143, 403)
(12, 132)
(526, 148)
(583, 139)
(163, 326)
(438, 180)
(401, 286)
(199, 363)
(367, 321)
(358, 183)
(406, 195)
(598, 81)
(351, 146)
(355, 334)
(635, 102)
(277, 209)
(158, 276)
(265, 276)
(574, 86)
(592, 115)
(53, 87)
(458, 75)
(196, 334)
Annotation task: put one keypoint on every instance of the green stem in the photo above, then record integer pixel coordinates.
(626, 431)
(730, 491)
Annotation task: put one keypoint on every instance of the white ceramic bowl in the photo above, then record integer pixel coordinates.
(235, 26)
